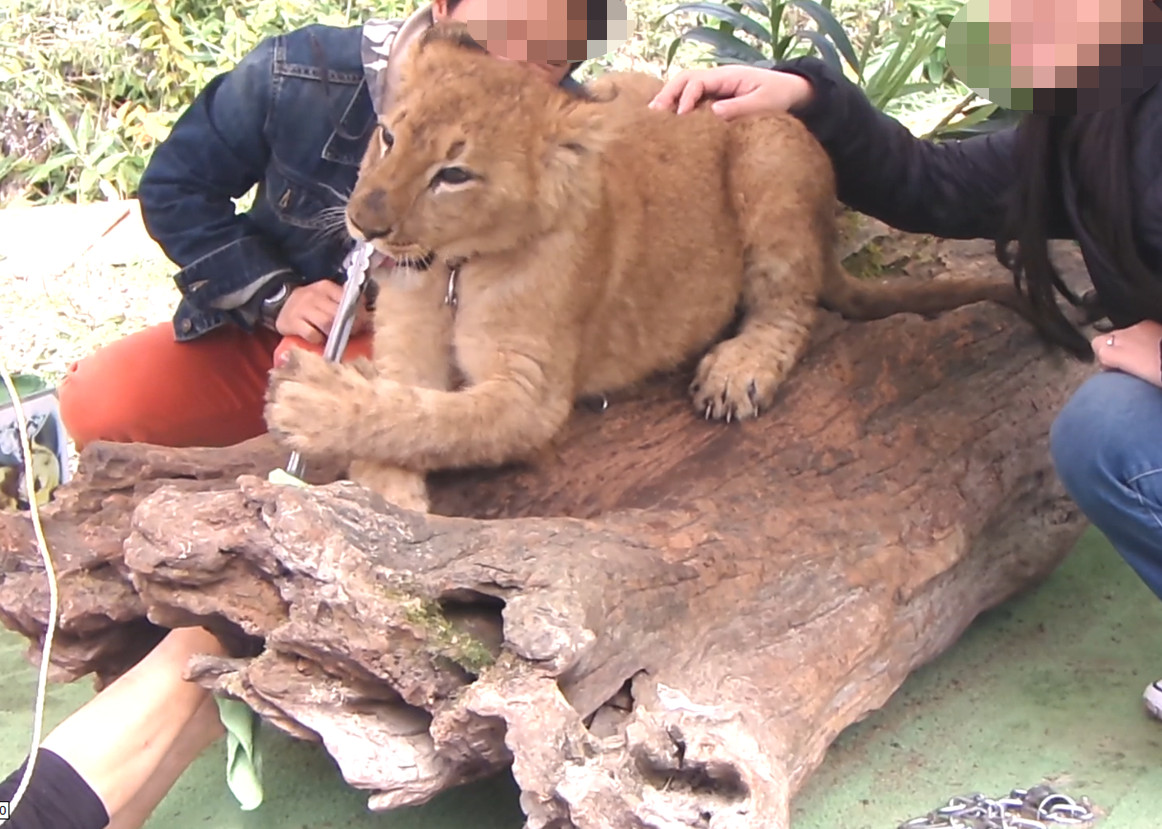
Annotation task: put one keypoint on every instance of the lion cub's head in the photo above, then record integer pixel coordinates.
(475, 154)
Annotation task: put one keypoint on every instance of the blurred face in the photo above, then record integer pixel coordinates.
(1057, 56)
(548, 35)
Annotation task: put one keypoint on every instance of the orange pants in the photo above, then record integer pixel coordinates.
(148, 388)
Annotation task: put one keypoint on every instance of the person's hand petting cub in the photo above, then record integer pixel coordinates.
(736, 90)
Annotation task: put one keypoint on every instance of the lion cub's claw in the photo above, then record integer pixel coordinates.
(307, 402)
(733, 383)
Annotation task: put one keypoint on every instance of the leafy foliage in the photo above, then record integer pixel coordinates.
(896, 50)
(763, 37)
(89, 88)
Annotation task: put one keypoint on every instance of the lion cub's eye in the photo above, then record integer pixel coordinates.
(452, 175)
(386, 139)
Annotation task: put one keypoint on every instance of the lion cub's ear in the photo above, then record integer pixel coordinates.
(576, 134)
(453, 32)
(580, 130)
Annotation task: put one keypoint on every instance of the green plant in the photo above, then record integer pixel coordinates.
(89, 89)
(770, 37)
(902, 54)
(895, 53)
(96, 157)
(971, 116)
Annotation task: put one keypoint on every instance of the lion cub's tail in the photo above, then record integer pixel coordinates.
(871, 299)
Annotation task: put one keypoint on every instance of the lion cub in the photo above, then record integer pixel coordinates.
(552, 246)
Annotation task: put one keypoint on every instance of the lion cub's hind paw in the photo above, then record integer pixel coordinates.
(734, 382)
(401, 487)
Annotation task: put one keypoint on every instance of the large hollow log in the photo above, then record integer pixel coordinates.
(664, 622)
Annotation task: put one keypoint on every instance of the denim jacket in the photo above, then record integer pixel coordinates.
(270, 121)
(275, 120)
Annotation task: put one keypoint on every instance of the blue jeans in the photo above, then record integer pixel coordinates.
(1107, 449)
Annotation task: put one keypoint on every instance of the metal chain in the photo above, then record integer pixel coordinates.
(1038, 808)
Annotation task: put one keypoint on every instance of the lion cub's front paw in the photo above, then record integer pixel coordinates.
(406, 489)
(734, 381)
(311, 403)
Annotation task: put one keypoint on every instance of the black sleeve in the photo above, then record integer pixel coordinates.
(56, 798)
(954, 189)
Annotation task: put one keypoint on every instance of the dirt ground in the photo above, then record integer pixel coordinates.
(51, 321)
(75, 278)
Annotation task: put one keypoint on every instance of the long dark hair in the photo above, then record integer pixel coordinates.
(1084, 163)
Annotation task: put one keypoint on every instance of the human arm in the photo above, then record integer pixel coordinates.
(954, 189)
(217, 151)
(109, 764)
(124, 737)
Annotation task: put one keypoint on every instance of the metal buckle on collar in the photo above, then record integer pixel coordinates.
(452, 296)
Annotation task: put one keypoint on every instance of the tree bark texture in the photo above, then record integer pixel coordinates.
(664, 622)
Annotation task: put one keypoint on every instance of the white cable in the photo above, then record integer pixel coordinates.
(42, 544)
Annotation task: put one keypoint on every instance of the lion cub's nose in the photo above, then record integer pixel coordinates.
(367, 215)
(372, 232)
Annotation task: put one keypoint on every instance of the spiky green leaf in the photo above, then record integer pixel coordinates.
(737, 19)
(830, 27)
(724, 44)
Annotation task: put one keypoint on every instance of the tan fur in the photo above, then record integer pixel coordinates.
(601, 241)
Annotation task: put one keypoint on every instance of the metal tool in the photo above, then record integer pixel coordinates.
(357, 264)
